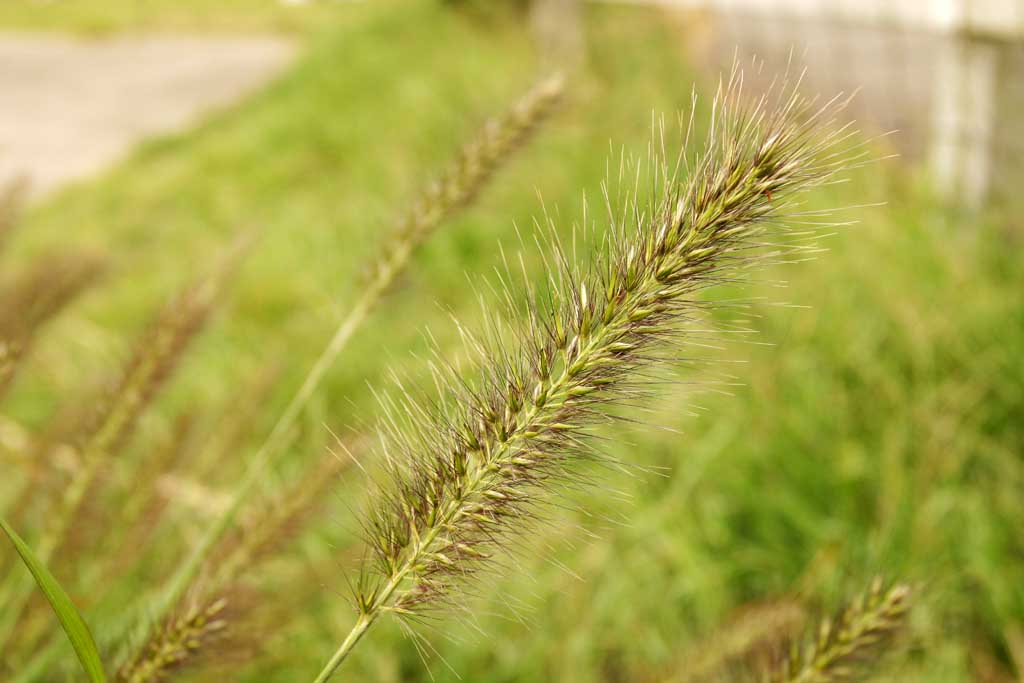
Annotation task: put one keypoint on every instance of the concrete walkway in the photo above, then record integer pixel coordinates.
(70, 107)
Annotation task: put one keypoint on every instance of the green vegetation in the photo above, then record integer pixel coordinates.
(879, 428)
(70, 620)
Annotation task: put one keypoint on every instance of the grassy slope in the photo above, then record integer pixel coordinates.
(880, 433)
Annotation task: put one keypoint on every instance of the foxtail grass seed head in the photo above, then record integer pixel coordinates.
(469, 470)
(180, 642)
(468, 173)
(158, 354)
(850, 644)
(34, 297)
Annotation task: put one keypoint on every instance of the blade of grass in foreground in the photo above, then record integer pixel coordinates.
(70, 620)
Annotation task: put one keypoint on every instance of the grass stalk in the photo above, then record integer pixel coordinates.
(360, 628)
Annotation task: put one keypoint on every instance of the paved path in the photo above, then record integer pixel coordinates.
(70, 107)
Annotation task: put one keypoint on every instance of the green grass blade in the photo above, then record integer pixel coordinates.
(70, 620)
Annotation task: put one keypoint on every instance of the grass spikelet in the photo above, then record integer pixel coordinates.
(179, 643)
(456, 187)
(849, 644)
(154, 360)
(469, 470)
(34, 298)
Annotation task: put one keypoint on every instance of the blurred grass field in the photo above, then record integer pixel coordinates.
(105, 17)
(876, 428)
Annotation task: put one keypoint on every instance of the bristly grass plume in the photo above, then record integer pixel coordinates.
(469, 470)
(178, 643)
(849, 644)
(34, 297)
